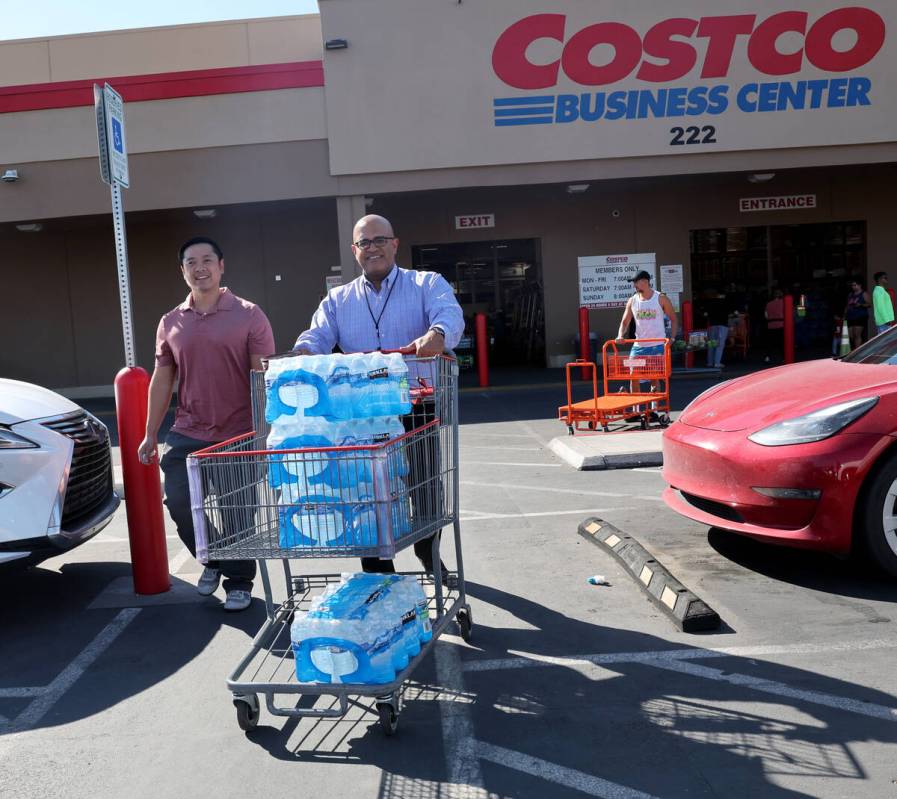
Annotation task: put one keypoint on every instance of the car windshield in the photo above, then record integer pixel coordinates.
(881, 349)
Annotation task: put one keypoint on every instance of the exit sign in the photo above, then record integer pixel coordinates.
(469, 221)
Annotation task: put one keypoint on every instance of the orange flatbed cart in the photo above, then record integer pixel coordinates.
(622, 404)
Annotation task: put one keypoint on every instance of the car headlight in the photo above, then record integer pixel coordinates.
(813, 426)
(10, 440)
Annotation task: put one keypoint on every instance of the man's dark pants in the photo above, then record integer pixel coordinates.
(238, 574)
(425, 480)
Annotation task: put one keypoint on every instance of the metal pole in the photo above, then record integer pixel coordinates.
(124, 281)
(688, 321)
(788, 330)
(482, 341)
(585, 343)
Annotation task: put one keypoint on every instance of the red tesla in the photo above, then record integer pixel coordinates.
(803, 455)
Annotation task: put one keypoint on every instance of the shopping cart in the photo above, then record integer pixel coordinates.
(236, 515)
(623, 404)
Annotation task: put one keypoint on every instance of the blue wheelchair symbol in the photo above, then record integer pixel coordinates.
(117, 142)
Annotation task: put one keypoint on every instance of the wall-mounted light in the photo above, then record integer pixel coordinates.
(205, 213)
(336, 44)
(10, 176)
(578, 188)
(30, 227)
(761, 177)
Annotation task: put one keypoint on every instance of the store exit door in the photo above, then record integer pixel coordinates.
(501, 279)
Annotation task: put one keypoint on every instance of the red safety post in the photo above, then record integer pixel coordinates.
(585, 344)
(143, 490)
(788, 313)
(688, 321)
(482, 350)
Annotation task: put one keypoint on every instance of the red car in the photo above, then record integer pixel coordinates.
(803, 455)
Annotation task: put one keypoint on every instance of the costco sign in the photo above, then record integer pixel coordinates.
(703, 49)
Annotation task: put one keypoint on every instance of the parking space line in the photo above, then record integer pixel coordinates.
(21, 693)
(49, 696)
(615, 494)
(482, 515)
(506, 463)
(493, 447)
(179, 560)
(458, 744)
(560, 775)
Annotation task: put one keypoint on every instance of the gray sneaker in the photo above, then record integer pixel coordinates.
(208, 581)
(237, 600)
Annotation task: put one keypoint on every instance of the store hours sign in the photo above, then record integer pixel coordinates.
(605, 281)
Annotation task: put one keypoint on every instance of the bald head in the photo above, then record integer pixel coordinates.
(377, 256)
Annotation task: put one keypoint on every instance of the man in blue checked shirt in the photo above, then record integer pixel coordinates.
(390, 308)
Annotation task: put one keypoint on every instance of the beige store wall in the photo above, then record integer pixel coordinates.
(65, 319)
(164, 49)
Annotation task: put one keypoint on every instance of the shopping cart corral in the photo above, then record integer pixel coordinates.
(238, 515)
(627, 402)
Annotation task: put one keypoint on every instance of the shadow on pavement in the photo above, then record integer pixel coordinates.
(46, 627)
(853, 576)
(711, 724)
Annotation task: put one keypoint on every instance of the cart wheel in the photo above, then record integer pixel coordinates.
(644, 423)
(605, 428)
(591, 425)
(298, 585)
(569, 429)
(389, 719)
(247, 712)
(465, 624)
(664, 420)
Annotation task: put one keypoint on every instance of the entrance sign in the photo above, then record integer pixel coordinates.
(788, 203)
(478, 221)
(552, 81)
(605, 281)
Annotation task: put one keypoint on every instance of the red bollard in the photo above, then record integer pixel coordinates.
(482, 336)
(788, 313)
(688, 321)
(143, 490)
(585, 344)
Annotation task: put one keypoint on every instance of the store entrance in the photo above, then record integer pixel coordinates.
(815, 263)
(503, 280)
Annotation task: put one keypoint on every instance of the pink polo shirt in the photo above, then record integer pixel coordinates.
(211, 353)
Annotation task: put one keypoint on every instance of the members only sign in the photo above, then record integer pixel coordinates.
(605, 281)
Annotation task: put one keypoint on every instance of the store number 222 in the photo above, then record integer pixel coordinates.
(693, 135)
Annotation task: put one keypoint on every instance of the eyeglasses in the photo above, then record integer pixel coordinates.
(377, 241)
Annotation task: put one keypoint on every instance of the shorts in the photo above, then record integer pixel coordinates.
(650, 349)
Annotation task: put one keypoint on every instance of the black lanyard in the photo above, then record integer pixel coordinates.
(376, 319)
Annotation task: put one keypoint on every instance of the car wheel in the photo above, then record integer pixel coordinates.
(879, 516)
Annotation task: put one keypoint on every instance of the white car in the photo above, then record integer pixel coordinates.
(55, 474)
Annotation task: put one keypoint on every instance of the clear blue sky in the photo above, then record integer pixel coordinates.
(21, 20)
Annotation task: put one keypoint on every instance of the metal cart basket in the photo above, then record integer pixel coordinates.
(238, 514)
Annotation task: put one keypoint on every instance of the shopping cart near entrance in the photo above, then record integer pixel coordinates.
(624, 398)
(239, 514)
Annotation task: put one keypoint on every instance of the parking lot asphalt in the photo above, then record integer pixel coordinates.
(566, 689)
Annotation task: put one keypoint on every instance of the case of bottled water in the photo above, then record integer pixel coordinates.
(363, 630)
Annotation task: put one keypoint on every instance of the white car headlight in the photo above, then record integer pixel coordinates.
(813, 426)
(10, 440)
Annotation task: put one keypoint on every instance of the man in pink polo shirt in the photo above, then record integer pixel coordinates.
(209, 343)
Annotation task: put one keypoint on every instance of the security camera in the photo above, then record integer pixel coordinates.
(10, 176)
(615, 213)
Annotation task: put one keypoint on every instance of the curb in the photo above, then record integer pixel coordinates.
(590, 463)
(685, 609)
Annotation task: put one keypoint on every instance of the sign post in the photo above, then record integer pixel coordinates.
(143, 490)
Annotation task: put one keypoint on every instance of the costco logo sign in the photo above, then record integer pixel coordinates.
(606, 53)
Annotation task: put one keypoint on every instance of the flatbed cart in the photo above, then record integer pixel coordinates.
(622, 404)
(236, 516)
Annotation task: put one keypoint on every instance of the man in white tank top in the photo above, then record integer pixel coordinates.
(648, 308)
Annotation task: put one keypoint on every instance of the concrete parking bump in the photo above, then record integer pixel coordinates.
(686, 610)
(621, 450)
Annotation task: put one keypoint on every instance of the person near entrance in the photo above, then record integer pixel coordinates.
(775, 326)
(208, 343)
(648, 308)
(882, 307)
(856, 314)
(390, 308)
(716, 313)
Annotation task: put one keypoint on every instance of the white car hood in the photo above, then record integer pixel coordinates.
(21, 402)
